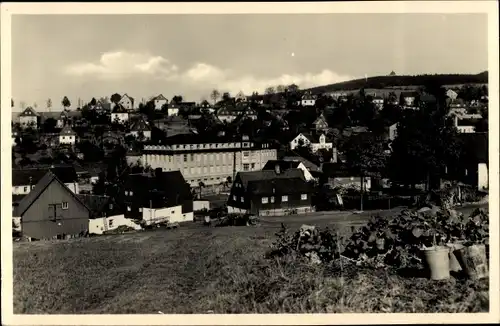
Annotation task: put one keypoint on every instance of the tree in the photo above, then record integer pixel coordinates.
(177, 99)
(426, 143)
(269, 90)
(49, 125)
(93, 101)
(215, 95)
(115, 98)
(99, 188)
(49, 103)
(365, 155)
(280, 88)
(226, 97)
(65, 102)
(11, 103)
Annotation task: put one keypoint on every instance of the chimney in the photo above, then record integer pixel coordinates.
(277, 168)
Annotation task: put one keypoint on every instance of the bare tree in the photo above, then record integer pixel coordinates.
(49, 103)
(215, 95)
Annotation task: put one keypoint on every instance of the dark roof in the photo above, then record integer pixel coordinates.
(21, 177)
(40, 187)
(409, 94)
(118, 108)
(28, 112)
(279, 186)
(140, 125)
(308, 164)
(284, 165)
(467, 122)
(247, 177)
(68, 131)
(427, 98)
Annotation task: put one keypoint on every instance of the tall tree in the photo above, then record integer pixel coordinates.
(93, 101)
(115, 98)
(49, 104)
(177, 99)
(215, 95)
(11, 103)
(65, 102)
(269, 90)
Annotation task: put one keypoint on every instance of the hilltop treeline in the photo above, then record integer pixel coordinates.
(402, 81)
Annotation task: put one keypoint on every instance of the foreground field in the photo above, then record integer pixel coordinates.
(222, 270)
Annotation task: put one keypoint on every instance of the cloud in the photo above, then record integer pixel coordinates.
(200, 76)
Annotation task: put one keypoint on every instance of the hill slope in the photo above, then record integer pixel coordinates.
(404, 81)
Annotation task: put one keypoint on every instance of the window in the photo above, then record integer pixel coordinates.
(110, 223)
(235, 198)
(64, 205)
(25, 189)
(264, 200)
(284, 198)
(242, 199)
(140, 209)
(192, 157)
(246, 154)
(126, 192)
(246, 167)
(172, 212)
(110, 206)
(303, 196)
(185, 158)
(272, 199)
(253, 166)
(128, 208)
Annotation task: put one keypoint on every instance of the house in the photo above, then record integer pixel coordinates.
(127, 102)
(119, 114)
(392, 131)
(227, 113)
(206, 107)
(159, 101)
(451, 94)
(68, 117)
(173, 109)
(270, 192)
(408, 99)
(378, 101)
(287, 165)
(472, 168)
(67, 136)
(310, 166)
(24, 180)
(141, 130)
(240, 97)
(105, 214)
(208, 159)
(29, 118)
(52, 210)
(466, 123)
(316, 141)
(320, 124)
(308, 99)
(162, 197)
(340, 175)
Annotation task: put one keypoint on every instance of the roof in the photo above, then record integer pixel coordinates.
(118, 108)
(67, 131)
(40, 187)
(427, 98)
(279, 186)
(409, 94)
(160, 97)
(128, 96)
(467, 121)
(284, 165)
(140, 125)
(249, 176)
(28, 112)
(21, 177)
(308, 164)
(338, 170)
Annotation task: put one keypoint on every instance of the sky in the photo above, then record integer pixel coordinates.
(85, 56)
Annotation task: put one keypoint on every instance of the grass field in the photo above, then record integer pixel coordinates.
(196, 269)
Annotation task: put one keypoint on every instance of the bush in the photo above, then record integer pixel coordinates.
(237, 220)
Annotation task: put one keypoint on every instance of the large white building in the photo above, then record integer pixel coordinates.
(210, 161)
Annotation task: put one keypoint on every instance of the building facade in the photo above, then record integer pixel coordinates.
(210, 161)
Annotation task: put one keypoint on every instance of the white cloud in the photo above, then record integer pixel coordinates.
(201, 76)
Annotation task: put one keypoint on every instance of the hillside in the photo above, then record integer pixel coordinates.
(379, 82)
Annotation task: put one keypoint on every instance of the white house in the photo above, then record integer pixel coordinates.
(119, 114)
(107, 223)
(308, 99)
(240, 97)
(173, 110)
(127, 102)
(451, 94)
(409, 98)
(140, 126)
(160, 101)
(28, 118)
(378, 102)
(315, 142)
(67, 136)
(167, 214)
(466, 124)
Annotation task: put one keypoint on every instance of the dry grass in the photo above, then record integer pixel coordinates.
(196, 270)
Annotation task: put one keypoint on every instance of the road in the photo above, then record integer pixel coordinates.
(346, 218)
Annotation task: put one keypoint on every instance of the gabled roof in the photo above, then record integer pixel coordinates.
(29, 112)
(160, 98)
(320, 119)
(409, 94)
(279, 186)
(127, 96)
(21, 177)
(140, 125)
(308, 164)
(40, 187)
(283, 165)
(67, 131)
